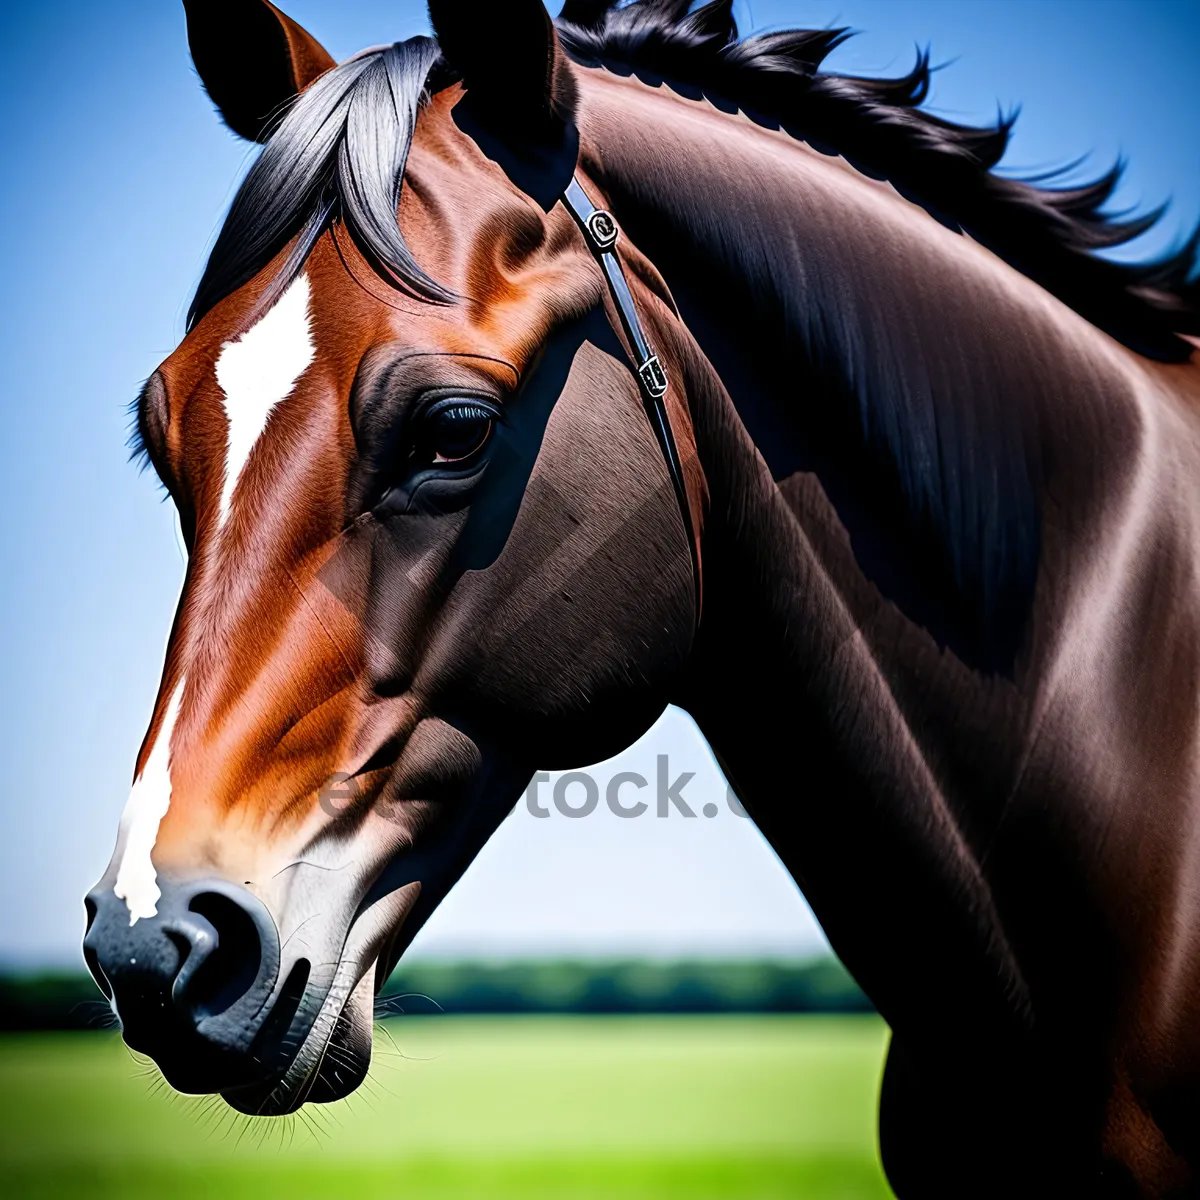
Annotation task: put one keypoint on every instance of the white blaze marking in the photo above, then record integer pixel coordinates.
(137, 881)
(258, 370)
(254, 372)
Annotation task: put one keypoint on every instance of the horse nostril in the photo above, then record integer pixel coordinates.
(188, 983)
(222, 958)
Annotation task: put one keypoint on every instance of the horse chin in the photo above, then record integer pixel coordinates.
(330, 1064)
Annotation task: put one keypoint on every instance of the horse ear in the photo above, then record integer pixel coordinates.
(520, 92)
(252, 61)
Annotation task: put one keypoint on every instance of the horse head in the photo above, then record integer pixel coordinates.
(434, 540)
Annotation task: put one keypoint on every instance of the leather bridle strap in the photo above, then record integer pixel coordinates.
(601, 233)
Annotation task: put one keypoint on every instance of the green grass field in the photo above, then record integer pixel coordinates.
(474, 1107)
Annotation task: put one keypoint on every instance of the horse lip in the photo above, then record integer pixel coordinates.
(306, 1071)
(292, 1088)
(286, 1091)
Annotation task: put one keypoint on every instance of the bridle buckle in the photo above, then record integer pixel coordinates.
(653, 377)
(601, 229)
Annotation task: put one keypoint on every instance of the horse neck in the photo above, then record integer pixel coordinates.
(913, 373)
(787, 691)
(875, 762)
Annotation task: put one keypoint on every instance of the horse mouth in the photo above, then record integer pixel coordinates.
(326, 1056)
(330, 1062)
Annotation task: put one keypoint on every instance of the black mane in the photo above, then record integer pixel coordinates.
(1050, 234)
(339, 154)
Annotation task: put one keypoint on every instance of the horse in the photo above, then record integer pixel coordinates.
(549, 372)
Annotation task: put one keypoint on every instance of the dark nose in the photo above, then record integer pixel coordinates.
(190, 983)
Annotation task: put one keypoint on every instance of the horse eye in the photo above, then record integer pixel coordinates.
(453, 430)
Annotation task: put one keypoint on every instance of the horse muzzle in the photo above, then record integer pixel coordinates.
(192, 984)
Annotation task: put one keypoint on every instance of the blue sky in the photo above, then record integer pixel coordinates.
(118, 174)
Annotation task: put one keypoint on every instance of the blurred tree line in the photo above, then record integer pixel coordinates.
(819, 985)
